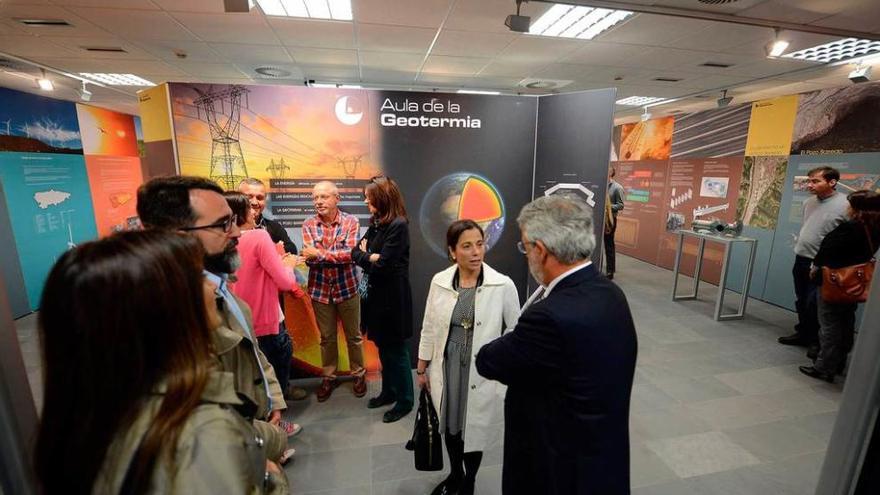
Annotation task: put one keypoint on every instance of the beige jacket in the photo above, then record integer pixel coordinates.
(218, 451)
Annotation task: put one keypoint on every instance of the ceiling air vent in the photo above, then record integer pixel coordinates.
(718, 65)
(44, 22)
(272, 72)
(535, 83)
(716, 2)
(666, 79)
(104, 49)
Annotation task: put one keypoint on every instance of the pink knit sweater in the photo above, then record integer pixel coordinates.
(260, 278)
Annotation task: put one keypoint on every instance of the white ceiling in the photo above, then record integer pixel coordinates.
(427, 44)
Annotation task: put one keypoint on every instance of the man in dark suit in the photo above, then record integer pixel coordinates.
(568, 364)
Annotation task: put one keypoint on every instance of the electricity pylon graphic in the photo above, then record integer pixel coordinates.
(349, 165)
(227, 161)
(277, 170)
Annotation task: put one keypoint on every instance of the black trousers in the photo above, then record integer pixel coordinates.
(610, 262)
(396, 373)
(279, 351)
(806, 293)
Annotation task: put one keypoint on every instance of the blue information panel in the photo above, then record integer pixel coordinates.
(50, 209)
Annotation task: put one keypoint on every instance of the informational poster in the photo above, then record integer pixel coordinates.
(714, 133)
(158, 154)
(838, 120)
(640, 223)
(760, 191)
(114, 181)
(48, 195)
(34, 124)
(698, 188)
(646, 140)
(857, 171)
(770, 127)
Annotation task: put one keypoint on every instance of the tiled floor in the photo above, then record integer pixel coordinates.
(717, 408)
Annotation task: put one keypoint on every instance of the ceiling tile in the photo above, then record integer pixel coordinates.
(527, 48)
(77, 45)
(249, 69)
(791, 11)
(135, 24)
(724, 8)
(770, 67)
(442, 64)
(512, 69)
(391, 61)
(79, 25)
(331, 73)
(203, 69)
(421, 13)
(652, 30)
(25, 45)
(324, 56)
(229, 28)
(239, 52)
(168, 50)
(563, 71)
(444, 80)
(113, 4)
(599, 53)
(308, 32)
(377, 76)
(381, 38)
(665, 58)
(471, 44)
(211, 6)
(494, 82)
(143, 68)
(718, 36)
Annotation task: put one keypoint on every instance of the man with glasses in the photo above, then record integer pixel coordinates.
(196, 205)
(328, 239)
(568, 364)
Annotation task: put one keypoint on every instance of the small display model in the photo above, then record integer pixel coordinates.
(717, 227)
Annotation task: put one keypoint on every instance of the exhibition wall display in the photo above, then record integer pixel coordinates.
(454, 156)
(746, 163)
(70, 173)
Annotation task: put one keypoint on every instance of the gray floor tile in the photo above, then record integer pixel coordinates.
(687, 390)
(647, 397)
(329, 470)
(701, 453)
(744, 481)
(761, 381)
(798, 402)
(677, 487)
(734, 412)
(777, 440)
(488, 481)
(646, 468)
(337, 434)
(818, 425)
(393, 462)
(421, 485)
(355, 490)
(669, 422)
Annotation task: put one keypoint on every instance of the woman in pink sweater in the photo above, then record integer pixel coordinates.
(263, 274)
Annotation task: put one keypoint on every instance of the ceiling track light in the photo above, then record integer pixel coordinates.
(84, 93)
(646, 115)
(777, 47)
(44, 83)
(724, 100)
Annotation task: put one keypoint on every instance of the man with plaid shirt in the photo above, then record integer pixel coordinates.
(328, 239)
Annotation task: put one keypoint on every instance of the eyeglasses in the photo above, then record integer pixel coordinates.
(226, 225)
(521, 246)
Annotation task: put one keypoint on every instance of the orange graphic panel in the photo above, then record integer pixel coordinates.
(113, 181)
(648, 140)
(105, 132)
(479, 201)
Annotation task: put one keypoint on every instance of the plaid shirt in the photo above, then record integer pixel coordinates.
(332, 278)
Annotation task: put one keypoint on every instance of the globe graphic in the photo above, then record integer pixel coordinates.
(461, 196)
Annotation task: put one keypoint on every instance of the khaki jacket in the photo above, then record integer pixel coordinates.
(235, 350)
(218, 451)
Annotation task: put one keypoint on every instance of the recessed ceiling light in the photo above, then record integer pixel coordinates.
(43, 22)
(836, 51)
(45, 84)
(117, 79)
(334, 85)
(567, 21)
(637, 101)
(477, 92)
(339, 10)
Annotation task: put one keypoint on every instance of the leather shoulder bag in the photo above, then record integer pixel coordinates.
(849, 284)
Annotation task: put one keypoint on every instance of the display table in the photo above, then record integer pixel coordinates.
(728, 242)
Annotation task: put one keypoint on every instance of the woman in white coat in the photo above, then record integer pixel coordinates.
(469, 304)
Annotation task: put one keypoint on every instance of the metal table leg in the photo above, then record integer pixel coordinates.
(719, 302)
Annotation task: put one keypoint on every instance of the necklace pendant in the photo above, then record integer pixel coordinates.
(466, 324)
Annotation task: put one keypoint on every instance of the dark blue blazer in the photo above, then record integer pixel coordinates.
(569, 367)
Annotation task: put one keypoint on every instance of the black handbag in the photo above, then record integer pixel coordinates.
(426, 444)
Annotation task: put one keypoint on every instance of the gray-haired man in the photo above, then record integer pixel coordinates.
(568, 363)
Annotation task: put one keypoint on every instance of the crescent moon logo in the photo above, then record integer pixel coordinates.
(344, 113)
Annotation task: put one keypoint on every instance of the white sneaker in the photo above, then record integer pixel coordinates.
(286, 456)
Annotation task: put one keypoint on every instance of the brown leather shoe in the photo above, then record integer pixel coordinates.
(326, 388)
(360, 386)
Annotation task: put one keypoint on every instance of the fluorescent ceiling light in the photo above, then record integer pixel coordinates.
(334, 86)
(637, 101)
(567, 21)
(339, 10)
(836, 51)
(777, 48)
(117, 79)
(45, 84)
(477, 92)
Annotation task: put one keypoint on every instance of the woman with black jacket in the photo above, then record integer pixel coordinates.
(851, 243)
(386, 295)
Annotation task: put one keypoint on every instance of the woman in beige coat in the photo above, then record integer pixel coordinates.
(469, 304)
(133, 401)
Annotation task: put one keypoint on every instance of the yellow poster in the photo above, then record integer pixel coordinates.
(155, 116)
(771, 126)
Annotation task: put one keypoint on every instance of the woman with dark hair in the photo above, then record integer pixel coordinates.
(265, 271)
(386, 296)
(133, 403)
(850, 243)
(469, 305)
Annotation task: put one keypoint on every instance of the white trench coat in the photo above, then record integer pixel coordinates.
(496, 309)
